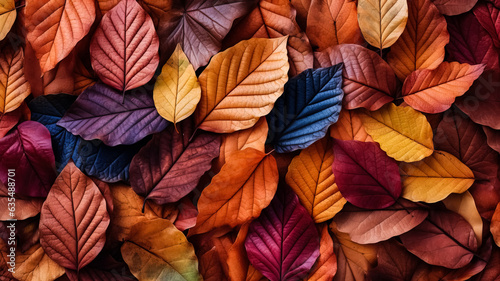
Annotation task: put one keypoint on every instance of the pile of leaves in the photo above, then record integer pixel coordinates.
(250, 140)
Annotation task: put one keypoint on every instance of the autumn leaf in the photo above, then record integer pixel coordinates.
(464, 205)
(55, 27)
(177, 91)
(433, 91)
(326, 265)
(34, 264)
(402, 132)
(25, 207)
(493, 137)
(9, 120)
(156, 250)
(454, 7)
(421, 45)
(489, 18)
(8, 16)
(245, 186)
(13, 86)
(349, 127)
(382, 21)
(368, 81)
(75, 236)
(394, 263)
(241, 84)
(316, 189)
(126, 55)
(495, 225)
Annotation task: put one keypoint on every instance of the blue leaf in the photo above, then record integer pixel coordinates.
(310, 104)
(48, 110)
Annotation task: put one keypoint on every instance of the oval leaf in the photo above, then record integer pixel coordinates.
(310, 104)
(35, 264)
(454, 7)
(402, 132)
(382, 21)
(8, 16)
(421, 46)
(349, 127)
(316, 188)
(13, 86)
(177, 91)
(170, 165)
(241, 84)
(99, 113)
(365, 175)
(124, 48)
(435, 177)
(75, 236)
(433, 91)
(368, 81)
(283, 243)
(55, 26)
(489, 18)
(464, 205)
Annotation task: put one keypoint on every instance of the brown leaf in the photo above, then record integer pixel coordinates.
(35, 264)
(349, 127)
(13, 86)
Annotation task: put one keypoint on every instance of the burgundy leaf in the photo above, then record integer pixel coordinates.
(493, 137)
(9, 120)
(395, 263)
(489, 17)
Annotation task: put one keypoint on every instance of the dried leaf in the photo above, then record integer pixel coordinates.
(13, 86)
(8, 16)
(349, 127)
(35, 264)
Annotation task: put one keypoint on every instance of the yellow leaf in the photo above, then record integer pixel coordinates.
(177, 91)
(382, 21)
(13, 86)
(349, 127)
(464, 205)
(434, 178)
(310, 175)
(402, 132)
(241, 84)
(34, 265)
(8, 15)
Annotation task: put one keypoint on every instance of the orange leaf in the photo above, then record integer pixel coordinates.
(433, 91)
(124, 48)
(326, 265)
(422, 43)
(34, 265)
(13, 86)
(239, 267)
(349, 127)
(25, 207)
(245, 185)
(73, 220)
(55, 26)
(495, 225)
(333, 22)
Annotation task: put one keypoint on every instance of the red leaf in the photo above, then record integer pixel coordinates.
(395, 263)
(365, 175)
(493, 137)
(489, 17)
(9, 120)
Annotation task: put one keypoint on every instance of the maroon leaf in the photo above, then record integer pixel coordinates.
(365, 175)
(9, 120)
(170, 165)
(395, 263)
(28, 150)
(489, 17)
(444, 238)
(493, 137)
(492, 269)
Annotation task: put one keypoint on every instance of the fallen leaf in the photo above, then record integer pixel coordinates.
(368, 81)
(326, 265)
(75, 236)
(464, 205)
(177, 91)
(316, 188)
(421, 45)
(394, 263)
(489, 18)
(54, 28)
(402, 132)
(495, 225)
(13, 86)
(239, 267)
(382, 21)
(492, 269)
(349, 127)
(124, 48)
(433, 91)
(366, 177)
(454, 7)
(35, 264)
(8, 16)
(24, 207)
(283, 243)
(493, 138)
(310, 104)
(9, 120)
(241, 84)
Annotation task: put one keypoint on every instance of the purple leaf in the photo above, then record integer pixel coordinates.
(283, 243)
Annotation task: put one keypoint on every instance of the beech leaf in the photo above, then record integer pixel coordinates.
(464, 205)
(8, 16)
(349, 127)
(35, 264)
(326, 265)
(13, 86)
(454, 7)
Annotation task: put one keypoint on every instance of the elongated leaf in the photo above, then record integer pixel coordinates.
(55, 26)
(34, 264)
(283, 243)
(349, 127)
(444, 239)
(245, 186)
(310, 104)
(454, 7)
(170, 165)
(98, 113)
(332, 23)
(489, 17)
(364, 172)
(177, 91)
(199, 26)
(241, 84)
(28, 151)
(382, 21)
(239, 267)
(368, 81)
(126, 55)
(433, 91)
(326, 265)
(470, 42)
(435, 177)
(75, 236)
(421, 46)
(368, 227)
(403, 133)
(316, 188)
(13, 86)
(156, 250)
(8, 16)
(464, 205)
